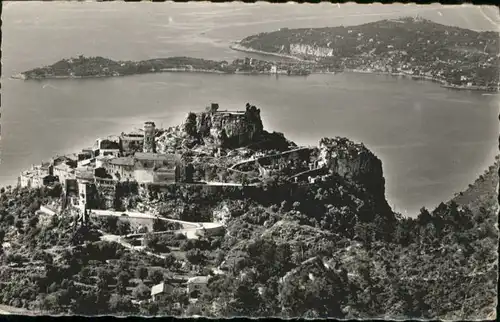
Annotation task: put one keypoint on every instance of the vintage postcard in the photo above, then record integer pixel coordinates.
(258, 160)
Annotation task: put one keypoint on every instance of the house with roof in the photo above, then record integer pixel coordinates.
(156, 167)
(122, 167)
(131, 143)
(197, 285)
(106, 147)
(145, 168)
(160, 291)
(37, 176)
(64, 171)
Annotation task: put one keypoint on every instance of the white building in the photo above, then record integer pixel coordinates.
(34, 178)
(160, 290)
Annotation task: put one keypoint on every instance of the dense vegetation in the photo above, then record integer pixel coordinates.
(415, 46)
(333, 251)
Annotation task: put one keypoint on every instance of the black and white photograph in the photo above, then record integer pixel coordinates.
(220, 160)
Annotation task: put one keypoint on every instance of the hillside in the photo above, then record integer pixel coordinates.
(307, 233)
(417, 47)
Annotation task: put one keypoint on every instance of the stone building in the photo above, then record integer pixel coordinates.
(64, 171)
(106, 147)
(155, 167)
(131, 143)
(122, 168)
(37, 176)
(149, 137)
(146, 168)
(84, 181)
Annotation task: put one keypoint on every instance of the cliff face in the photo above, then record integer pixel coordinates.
(226, 128)
(352, 161)
(310, 50)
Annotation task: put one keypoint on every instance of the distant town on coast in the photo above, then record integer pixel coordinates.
(219, 216)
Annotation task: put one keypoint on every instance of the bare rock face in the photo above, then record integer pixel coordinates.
(352, 161)
(225, 128)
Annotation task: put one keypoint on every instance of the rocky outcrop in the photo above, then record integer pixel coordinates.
(352, 161)
(225, 128)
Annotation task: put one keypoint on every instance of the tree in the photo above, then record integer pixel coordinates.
(141, 292)
(120, 304)
(19, 224)
(365, 232)
(122, 281)
(123, 227)
(141, 272)
(159, 225)
(111, 224)
(33, 221)
(195, 256)
(424, 217)
(190, 125)
(156, 276)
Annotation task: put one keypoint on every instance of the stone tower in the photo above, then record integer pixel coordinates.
(149, 137)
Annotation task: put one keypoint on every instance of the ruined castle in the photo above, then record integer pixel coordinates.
(226, 128)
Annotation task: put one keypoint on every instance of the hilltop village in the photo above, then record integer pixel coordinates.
(214, 147)
(142, 190)
(219, 217)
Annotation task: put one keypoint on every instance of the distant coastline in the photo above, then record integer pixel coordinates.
(442, 83)
(456, 58)
(97, 67)
(238, 47)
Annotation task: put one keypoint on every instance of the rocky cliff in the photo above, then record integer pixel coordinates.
(225, 128)
(352, 161)
(308, 50)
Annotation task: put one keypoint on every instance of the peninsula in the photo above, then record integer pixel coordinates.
(93, 67)
(456, 58)
(219, 217)
(419, 48)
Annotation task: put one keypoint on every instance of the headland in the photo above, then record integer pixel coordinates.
(455, 57)
(95, 67)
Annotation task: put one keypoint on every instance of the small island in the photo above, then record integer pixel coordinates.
(93, 67)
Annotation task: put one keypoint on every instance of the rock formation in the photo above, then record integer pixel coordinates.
(352, 161)
(225, 128)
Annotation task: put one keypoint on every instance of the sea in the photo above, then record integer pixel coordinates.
(432, 141)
